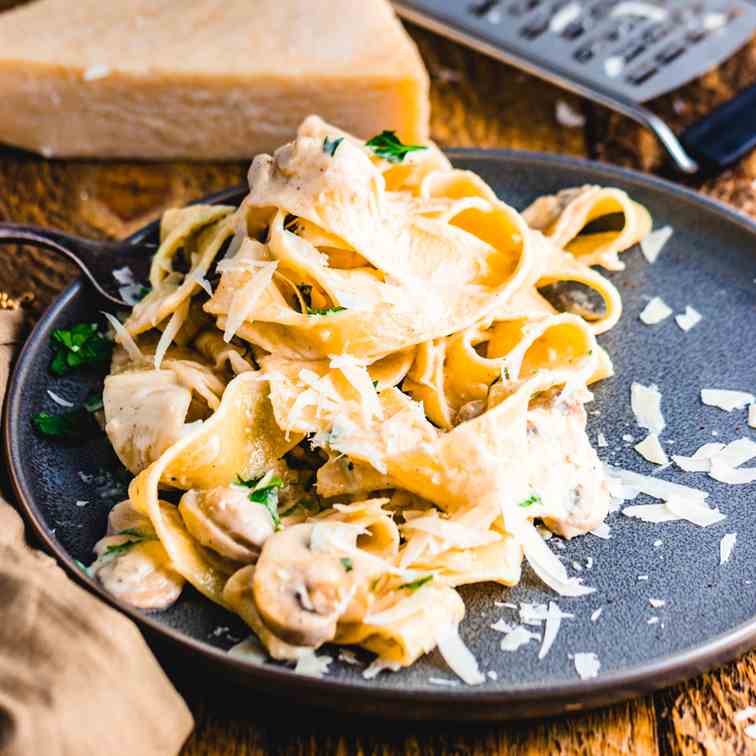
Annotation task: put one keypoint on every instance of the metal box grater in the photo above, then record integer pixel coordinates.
(619, 54)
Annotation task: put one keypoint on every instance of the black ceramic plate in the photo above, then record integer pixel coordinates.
(710, 611)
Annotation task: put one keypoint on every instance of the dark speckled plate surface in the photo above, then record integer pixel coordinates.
(710, 611)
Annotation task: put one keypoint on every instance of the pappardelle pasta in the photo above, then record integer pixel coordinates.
(358, 391)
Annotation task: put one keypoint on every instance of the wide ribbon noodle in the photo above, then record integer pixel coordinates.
(357, 392)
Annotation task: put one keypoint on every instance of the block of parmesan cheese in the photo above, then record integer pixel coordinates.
(202, 79)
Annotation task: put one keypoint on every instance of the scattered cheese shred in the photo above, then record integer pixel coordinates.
(587, 665)
(726, 545)
(596, 614)
(311, 665)
(688, 319)
(515, 636)
(124, 338)
(653, 244)
(249, 649)
(651, 450)
(726, 474)
(601, 440)
(700, 461)
(645, 402)
(652, 486)
(657, 603)
(655, 311)
(692, 510)
(245, 298)
(726, 399)
(553, 621)
(602, 531)
(378, 666)
(59, 400)
(752, 415)
(458, 656)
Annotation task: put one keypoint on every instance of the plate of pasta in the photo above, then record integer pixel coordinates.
(431, 434)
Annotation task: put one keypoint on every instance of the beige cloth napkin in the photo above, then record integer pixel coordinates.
(76, 677)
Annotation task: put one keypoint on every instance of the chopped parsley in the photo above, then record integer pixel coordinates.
(79, 346)
(135, 537)
(347, 564)
(77, 424)
(324, 310)
(388, 146)
(265, 492)
(415, 584)
(505, 372)
(375, 384)
(533, 499)
(331, 145)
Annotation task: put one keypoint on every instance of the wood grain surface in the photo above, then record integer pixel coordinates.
(476, 102)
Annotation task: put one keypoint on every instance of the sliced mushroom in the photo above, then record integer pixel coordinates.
(301, 593)
(140, 575)
(225, 520)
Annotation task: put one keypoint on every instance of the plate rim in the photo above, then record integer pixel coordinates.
(515, 703)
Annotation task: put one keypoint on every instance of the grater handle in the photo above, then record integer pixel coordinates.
(723, 136)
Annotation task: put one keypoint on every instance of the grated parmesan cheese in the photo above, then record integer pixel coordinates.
(726, 399)
(596, 614)
(244, 299)
(692, 510)
(587, 665)
(651, 450)
(124, 338)
(645, 10)
(652, 621)
(458, 656)
(726, 474)
(726, 545)
(515, 636)
(652, 486)
(601, 440)
(653, 244)
(250, 650)
(562, 19)
(657, 603)
(655, 311)
(553, 621)
(688, 319)
(378, 666)
(59, 400)
(645, 402)
(311, 665)
(613, 67)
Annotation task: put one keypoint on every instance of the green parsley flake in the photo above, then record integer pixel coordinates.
(135, 537)
(347, 564)
(388, 146)
(415, 584)
(266, 494)
(324, 310)
(534, 499)
(79, 346)
(331, 145)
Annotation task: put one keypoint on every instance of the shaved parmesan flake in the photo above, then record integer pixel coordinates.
(752, 415)
(244, 299)
(645, 402)
(613, 67)
(725, 399)
(493, 675)
(602, 531)
(657, 603)
(652, 621)
(587, 665)
(378, 666)
(360, 380)
(533, 614)
(515, 636)
(726, 545)
(655, 311)
(443, 681)
(650, 513)
(131, 294)
(553, 621)
(658, 542)
(642, 577)
(645, 10)
(458, 656)
(700, 461)
(743, 714)
(694, 511)
(124, 276)
(59, 400)
(596, 614)
(726, 474)
(601, 440)
(651, 450)
(653, 244)
(313, 666)
(452, 533)
(81, 502)
(169, 334)
(736, 453)
(688, 319)
(647, 484)
(348, 657)
(750, 731)
(249, 649)
(123, 337)
(714, 21)
(561, 20)
(566, 115)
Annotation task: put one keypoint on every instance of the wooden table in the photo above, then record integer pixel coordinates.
(476, 102)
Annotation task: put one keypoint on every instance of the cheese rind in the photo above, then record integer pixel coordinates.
(209, 80)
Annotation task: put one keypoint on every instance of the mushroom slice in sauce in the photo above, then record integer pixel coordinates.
(302, 593)
(225, 520)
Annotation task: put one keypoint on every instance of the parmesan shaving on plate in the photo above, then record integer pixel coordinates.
(646, 405)
(693, 510)
(59, 400)
(646, 10)
(250, 650)
(124, 338)
(651, 450)
(688, 319)
(653, 244)
(700, 461)
(587, 665)
(655, 311)
(458, 656)
(601, 441)
(652, 486)
(554, 618)
(515, 636)
(380, 665)
(596, 614)
(602, 531)
(752, 415)
(726, 474)
(312, 665)
(348, 657)
(726, 546)
(726, 399)
(560, 21)
(657, 603)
